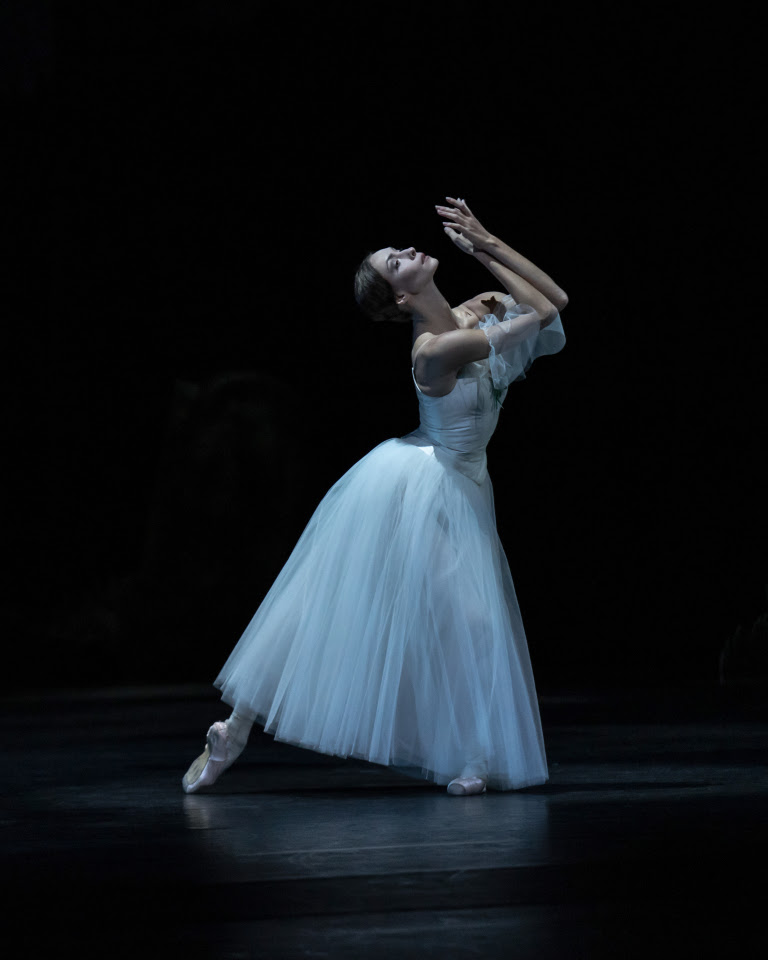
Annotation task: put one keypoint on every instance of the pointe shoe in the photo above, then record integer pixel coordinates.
(212, 762)
(463, 786)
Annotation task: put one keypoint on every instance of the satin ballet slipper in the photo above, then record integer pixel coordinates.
(212, 762)
(464, 786)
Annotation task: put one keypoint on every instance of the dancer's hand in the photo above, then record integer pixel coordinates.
(460, 240)
(463, 227)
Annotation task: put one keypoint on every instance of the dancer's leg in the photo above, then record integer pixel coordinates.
(238, 731)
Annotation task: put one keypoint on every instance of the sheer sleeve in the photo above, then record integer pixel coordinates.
(516, 341)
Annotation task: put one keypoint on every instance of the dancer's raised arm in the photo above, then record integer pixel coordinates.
(469, 235)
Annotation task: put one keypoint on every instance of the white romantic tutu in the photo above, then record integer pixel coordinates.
(393, 633)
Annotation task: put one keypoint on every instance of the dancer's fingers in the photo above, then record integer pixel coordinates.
(461, 204)
(459, 240)
(452, 214)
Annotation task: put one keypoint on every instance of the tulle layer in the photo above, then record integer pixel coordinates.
(393, 633)
(511, 362)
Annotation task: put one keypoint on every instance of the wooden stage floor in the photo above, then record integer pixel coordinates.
(649, 839)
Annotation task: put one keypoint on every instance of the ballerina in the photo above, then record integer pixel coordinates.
(393, 633)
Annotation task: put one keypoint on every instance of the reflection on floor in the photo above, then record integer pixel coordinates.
(642, 843)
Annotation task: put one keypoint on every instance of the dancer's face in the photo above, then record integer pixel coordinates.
(406, 271)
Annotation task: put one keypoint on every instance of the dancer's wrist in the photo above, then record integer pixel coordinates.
(487, 244)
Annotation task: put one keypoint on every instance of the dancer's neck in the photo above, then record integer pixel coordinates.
(432, 314)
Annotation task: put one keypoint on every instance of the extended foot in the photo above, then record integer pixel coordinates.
(464, 786)
(213, 761)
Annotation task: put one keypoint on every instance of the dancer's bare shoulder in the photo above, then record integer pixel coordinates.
(418, 343)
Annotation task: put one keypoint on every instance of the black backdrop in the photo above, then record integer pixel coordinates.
(190, 189)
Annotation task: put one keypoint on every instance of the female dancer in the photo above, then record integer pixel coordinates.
(393, 633)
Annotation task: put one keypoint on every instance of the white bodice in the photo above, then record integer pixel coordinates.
(457, 427)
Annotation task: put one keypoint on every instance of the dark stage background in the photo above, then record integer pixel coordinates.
(190, 188)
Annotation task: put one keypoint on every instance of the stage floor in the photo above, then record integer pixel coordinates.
(649, 839)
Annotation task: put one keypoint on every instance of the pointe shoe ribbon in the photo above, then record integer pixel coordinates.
(217, 741)
(463, 786)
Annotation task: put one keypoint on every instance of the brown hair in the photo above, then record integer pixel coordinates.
(374, 295)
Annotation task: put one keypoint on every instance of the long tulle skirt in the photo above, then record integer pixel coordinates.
(393, 633)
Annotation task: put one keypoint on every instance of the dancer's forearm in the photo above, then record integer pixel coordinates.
(522, 278)
(495, 250)
(521, 289)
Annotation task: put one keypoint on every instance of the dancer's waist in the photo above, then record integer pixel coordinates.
(471, 462)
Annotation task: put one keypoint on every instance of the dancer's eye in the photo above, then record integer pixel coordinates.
(397, 264)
